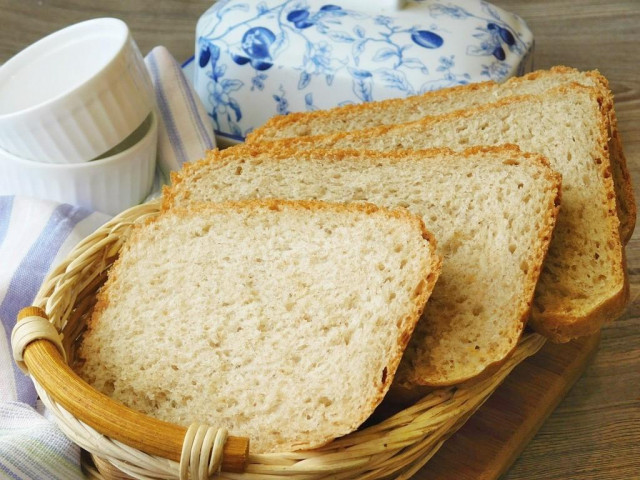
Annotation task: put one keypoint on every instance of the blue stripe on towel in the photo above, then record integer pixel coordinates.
(205, 135)
(4, 469)
(165, 111)
(33, 447)
(29, 276)
(6, 206)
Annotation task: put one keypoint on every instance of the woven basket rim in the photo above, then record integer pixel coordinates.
(396, 447)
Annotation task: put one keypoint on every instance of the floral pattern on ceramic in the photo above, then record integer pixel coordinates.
(256, 60)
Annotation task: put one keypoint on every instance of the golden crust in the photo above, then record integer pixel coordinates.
(262, 133)
(275, 123)
(283, 149)
(625, 197)
(557, 325)
(560, 328)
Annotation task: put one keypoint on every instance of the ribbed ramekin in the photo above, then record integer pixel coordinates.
(74, 94)
(110, 185)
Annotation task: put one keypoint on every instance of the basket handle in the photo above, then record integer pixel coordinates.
(43, 358)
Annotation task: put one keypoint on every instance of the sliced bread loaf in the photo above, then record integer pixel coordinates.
(396, 111)
(403, 110)
(583, 283)
(281, 321)
(491, 209)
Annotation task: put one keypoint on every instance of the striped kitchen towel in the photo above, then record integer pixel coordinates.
(34, 235)
(32, 446)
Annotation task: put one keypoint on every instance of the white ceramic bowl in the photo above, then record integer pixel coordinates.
(108, 185)
(74, 94)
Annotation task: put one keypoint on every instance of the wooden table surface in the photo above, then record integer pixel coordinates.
(595, 432)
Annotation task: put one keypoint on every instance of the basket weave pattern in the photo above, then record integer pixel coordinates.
(394, 448)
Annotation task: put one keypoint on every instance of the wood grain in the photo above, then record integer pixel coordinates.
(486, 446)
(595, 432)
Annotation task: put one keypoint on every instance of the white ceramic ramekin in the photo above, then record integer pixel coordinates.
(110, 185)
(74, 94)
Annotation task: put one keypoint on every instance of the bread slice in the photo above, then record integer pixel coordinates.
(395, 111)
(583, 284)
(491, 209)
(281, 321)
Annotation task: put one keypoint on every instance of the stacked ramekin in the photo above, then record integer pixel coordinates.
(77, 121)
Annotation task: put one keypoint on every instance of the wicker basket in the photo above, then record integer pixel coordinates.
(124, 444)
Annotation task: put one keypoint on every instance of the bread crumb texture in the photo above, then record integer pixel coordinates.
(492, 211)
(283, 322)
(583, 284)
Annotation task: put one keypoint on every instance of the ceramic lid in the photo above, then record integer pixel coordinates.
(257, 60)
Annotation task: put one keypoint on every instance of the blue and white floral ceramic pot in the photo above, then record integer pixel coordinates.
(254, 60)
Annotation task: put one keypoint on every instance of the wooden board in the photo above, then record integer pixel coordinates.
(486, 446)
